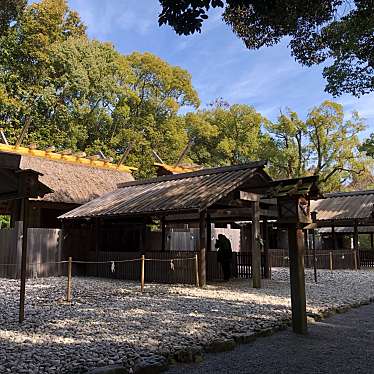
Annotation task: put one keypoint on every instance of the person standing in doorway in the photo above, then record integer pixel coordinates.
(224, 255)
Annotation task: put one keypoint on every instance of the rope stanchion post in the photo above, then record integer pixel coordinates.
(270, 264)
(330, 255)
(142, 274)
(197, 270)
(355, 259)
(68, 288)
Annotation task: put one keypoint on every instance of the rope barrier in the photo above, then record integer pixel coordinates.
(170, 259)
(103, 262)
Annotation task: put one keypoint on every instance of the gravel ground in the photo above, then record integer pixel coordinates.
(111, 322)
(341, 344)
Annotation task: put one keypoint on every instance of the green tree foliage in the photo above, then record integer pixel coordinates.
(325, 145)
(319, 31)
(10, 10)
(286, 150)
(25, 84)
(368, 146)
(4, 221)
(83, 95)
(224, 134)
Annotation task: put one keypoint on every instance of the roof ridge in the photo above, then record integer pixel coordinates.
(69, 159)
(197, 173)
(348, 193)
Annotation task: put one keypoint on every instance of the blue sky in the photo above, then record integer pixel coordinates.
(268, 79)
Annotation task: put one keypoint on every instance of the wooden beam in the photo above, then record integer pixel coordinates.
(249, 196)
(202, 249)
(269, 213)
(25, 211)
(256, 250)
(297, 277)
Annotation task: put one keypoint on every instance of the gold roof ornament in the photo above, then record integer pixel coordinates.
(66, 156)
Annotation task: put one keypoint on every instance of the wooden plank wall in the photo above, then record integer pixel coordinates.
(43, 249)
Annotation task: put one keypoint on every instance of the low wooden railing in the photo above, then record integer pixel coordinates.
(325, 259)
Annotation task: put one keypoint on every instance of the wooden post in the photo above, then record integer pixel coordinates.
(97, 245)
(265, 238)
(355, 243)
(297, 277)
(355, 259)
(333, 238)
(142, 274)
(270, 265)
(330, 256)
(25, 204)
(197, 270)
(202, 249)
(256, 250)
(68, 288)
(163, 234)
(371, 240)
(314, 255)
(208, 233)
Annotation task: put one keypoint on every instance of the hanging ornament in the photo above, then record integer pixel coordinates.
(172, 265)
(113, 267)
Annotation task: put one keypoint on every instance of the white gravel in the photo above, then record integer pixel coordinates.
(111, 322)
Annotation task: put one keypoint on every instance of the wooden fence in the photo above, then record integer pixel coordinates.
(367, 258)
(43, 249)
(337, 259)
(159, 266)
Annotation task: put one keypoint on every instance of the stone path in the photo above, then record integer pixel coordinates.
(341, 344)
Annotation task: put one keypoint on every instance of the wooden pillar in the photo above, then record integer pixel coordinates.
(355, 243)
(265, 237)
(163, 234)
(97, 244)
(333, 236)
(256, 250)
(208, 233)
(297, 277)
(371, 240)
(202, 249)
(314, 255)
(25, 214)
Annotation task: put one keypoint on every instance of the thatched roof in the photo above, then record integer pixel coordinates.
(71, 182)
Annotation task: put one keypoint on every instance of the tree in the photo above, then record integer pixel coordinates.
(325, 144)
(25, 84)
(9, 12)
(368, 146)
(287, 152)
(157, 92)
(334, 145)
(224, 134)
(319, 31)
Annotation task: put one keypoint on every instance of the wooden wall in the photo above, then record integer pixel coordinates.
(43, 249)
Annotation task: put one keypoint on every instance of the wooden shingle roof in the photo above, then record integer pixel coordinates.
(187, 192)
